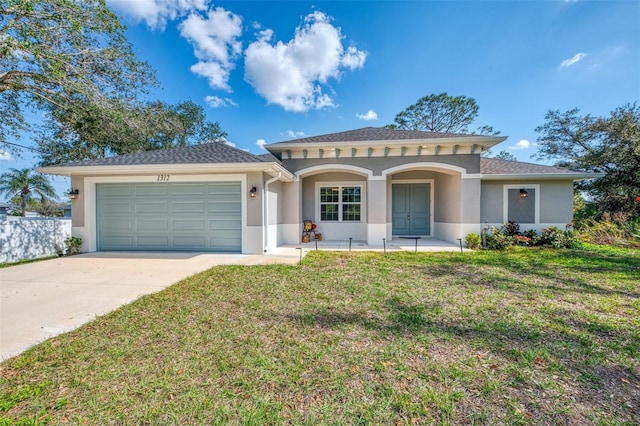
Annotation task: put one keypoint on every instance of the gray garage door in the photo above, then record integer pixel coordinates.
(201, 216)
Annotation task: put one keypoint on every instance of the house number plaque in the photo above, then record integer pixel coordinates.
(163, 178)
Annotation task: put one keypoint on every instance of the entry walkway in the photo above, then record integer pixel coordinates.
(396, 244)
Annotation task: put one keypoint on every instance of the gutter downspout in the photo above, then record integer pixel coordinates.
(265, 209)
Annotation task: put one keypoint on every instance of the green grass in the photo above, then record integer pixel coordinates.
(524, 336)
(7, 264)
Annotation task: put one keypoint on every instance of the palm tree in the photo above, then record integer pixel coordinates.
(24, 183)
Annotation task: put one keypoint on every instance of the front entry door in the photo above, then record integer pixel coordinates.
(411, 209)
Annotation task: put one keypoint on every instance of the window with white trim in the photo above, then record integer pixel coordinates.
(522, 203)
(340, 203)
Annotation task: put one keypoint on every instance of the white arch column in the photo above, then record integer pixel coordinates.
(376, 210)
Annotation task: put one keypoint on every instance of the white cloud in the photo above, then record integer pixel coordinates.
(576, 58)
(156, 13)
(217, 102)
(370, 115)
(261, 143)
(215, 43)
(5, 156)
(292, 134)
(522, 144)
(226, 142)
(291, 74)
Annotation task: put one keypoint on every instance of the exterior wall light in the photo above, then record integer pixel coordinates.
(523, 193)
(73, 194)
(252, 192)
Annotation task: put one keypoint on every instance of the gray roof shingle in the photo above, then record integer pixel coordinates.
(373, 134)
(496, 166)
(207, 153)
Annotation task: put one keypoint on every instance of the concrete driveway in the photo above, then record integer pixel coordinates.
(43, 299)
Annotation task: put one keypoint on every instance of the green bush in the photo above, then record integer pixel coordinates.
(497, 239)
(557, 238)
(511, 228)
(73, 245)
(473, 240)
(532, 234)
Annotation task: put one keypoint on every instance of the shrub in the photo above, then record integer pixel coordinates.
(619, 230)
(557, 238)
(511, 228)
(497, 239)
(533, 236)
(73, 245)
(473, 240)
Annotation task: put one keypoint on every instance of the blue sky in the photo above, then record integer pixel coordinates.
(271, 71)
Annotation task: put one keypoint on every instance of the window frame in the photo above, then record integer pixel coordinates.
(505, 200)
(341, 203)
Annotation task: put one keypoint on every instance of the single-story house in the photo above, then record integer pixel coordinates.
(366, 184)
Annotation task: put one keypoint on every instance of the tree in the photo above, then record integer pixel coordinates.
(66, 54)
(506, 155)
(609, 145)
(441, 113)
(25, 183)
(75, 134)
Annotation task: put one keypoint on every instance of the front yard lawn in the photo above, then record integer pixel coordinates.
(525, 336)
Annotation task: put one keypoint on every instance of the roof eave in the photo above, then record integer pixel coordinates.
(543, 176)
(485, 141)
(272, 168)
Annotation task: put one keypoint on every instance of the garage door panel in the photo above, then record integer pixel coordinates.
(117, 208)
(189, 190)
(224, 198)
(224, 209)
(223, 225)
(118, 241)
(189, 225)
(187, 207)
(115, 226)
(221, 244)
(116, 191)
(152, 224)
(151, 190)
(152, 207)
(152, 242)
(232, 188)
(190, 242)
(170, 216)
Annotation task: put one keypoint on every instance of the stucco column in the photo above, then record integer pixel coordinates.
(470, 192)
(376, 210)
(290, 229)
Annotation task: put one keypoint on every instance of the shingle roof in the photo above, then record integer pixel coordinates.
(496, 166)
(213, 152)
(373, 134)
(270, 158)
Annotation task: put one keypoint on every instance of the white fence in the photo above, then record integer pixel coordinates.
(23, 238)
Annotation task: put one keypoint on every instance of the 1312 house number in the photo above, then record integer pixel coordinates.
(163, 178)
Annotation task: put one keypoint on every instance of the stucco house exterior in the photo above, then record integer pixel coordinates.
(366, 184)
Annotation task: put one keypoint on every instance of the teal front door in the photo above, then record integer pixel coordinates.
(411, 209)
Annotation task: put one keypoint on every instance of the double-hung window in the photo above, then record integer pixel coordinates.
(340, 203)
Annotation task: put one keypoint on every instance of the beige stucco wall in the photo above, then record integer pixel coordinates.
(254, 205)
(447, 198)
(77, 206)
(556, 200)
(377, 164)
